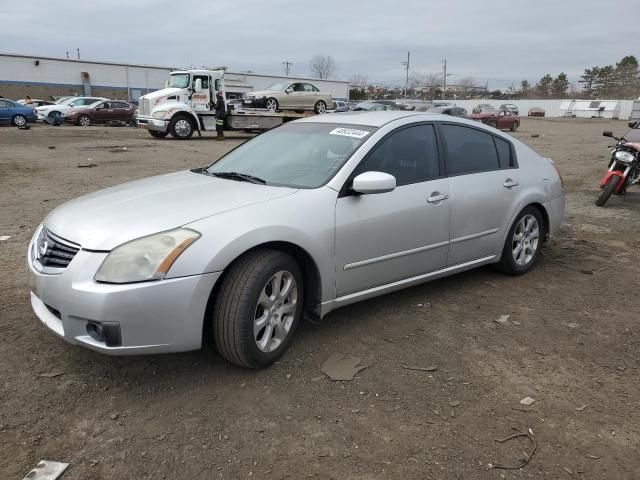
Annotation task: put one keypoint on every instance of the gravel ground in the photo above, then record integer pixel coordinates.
(570, 343)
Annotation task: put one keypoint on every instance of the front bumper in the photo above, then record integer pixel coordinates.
(152, 317)
(151, 123)
(259, 102)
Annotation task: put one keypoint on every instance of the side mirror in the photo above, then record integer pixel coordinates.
(607, 133)
(198, 85)
(373, 182)
(288, 90)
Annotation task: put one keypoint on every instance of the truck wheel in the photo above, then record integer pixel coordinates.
(19, 120)
(257, 308)
(272, 104)
(156, 134)
(320, 107)
(514, 126)
(181, 127)
(84, 121)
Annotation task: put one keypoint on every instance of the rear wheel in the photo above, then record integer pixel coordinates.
(523, 243)
(272, 104)
(156, 134)
(257, 308)
(607, 190)
(84, 121)
(181, 127)
(19, 120)
(320, 107)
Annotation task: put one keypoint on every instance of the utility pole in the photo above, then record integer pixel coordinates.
(78, 51)
(67, 54)
(287, 66)
(444, 78)
(406, 64)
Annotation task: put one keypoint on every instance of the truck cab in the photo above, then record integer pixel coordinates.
(184, 106)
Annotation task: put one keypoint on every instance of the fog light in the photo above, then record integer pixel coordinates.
(95, 331)
(107, 332)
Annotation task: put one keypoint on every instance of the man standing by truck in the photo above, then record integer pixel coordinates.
(221, 115)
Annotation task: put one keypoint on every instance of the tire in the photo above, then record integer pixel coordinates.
(156, 134)
(19, 120)
(84, 121)
(252, 326)
(181, 127)
(492, 123)
(607, 190)
(131, 122)
(271, 104)
(516, 261)
(52, 115)
(320, 107)
(514, 126)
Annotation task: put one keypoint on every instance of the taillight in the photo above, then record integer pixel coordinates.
(558, 172)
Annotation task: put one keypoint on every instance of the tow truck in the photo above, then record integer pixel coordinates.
(186, 105)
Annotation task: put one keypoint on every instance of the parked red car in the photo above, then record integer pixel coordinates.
(536, 112)
(102, 112)
(503, 120)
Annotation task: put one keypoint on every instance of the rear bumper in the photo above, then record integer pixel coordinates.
(150, 123)
(150, 317)
(555, 210)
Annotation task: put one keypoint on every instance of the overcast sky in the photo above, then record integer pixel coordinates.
(502, 41)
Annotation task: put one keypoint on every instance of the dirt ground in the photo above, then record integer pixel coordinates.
(571, 343)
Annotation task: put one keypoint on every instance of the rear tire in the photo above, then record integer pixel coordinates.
(607, 190)
(84, 121)
(156, 134)
(181, 127)
(258, 308)
(523, 243)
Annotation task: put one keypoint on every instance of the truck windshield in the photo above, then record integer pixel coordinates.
(298, 155)
(179, 80)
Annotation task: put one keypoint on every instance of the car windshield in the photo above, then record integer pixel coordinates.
(276, 87)
(179, 80)
(298, 155)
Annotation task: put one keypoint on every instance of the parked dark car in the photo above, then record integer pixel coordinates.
(503, 120)
(536, 112)
(16, 114)
(453, 111)
(103, 112)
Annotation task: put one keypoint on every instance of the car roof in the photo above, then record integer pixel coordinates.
(379, 118)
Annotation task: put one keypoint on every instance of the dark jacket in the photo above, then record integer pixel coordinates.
(221, 108)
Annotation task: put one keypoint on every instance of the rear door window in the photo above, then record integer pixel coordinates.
(468, 150)
(504, 153)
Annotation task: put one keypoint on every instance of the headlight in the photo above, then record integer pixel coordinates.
(147, 258)
(158, 114)
(624, 157)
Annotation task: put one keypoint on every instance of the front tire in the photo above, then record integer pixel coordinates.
(492, 123)
(19, 120)
(156, 134)
(181, 127)
(52, 115)
(258, 308)
(607, 190)
(272, 104)
(84, 121)
(523, 243)
(320, 107)
(514, 126)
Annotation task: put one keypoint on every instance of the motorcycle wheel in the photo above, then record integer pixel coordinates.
(607, 190)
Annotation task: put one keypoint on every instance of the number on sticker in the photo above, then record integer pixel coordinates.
(349, 132)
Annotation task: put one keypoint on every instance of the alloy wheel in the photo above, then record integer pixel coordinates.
(272, 105)
(275, 311)
(183, 127)
(19, 121)
(526, 237)
(84, 121)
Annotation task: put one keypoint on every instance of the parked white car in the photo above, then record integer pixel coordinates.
(65, 106)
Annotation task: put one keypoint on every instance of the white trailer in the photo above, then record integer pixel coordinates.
(186, 105)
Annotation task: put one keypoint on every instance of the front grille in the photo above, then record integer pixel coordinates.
(53, 251)
(145, 107)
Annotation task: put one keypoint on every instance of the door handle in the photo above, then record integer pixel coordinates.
(437, 197)
(508, 183)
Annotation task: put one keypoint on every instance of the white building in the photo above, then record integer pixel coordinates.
(41, 77)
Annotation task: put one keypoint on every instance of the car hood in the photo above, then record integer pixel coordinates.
(265, 93)
(57, 108)
(110, 217)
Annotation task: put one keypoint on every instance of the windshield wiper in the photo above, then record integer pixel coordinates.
(243, 177)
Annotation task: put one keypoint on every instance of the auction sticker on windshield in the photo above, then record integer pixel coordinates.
(349, 132)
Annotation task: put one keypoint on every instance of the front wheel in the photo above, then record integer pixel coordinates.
(523, 242)
(492, 123)
(257, 308)
(157, 134)
(514, 126)
(181, 127)
(272, 104)
(84, 121)
(320, 107)
(19, 120)
(607, 190)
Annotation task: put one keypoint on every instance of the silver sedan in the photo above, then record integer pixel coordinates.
(313, 215)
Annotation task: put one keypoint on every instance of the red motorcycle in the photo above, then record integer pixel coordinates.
(624, 167)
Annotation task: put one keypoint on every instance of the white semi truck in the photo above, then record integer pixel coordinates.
(186, 105)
